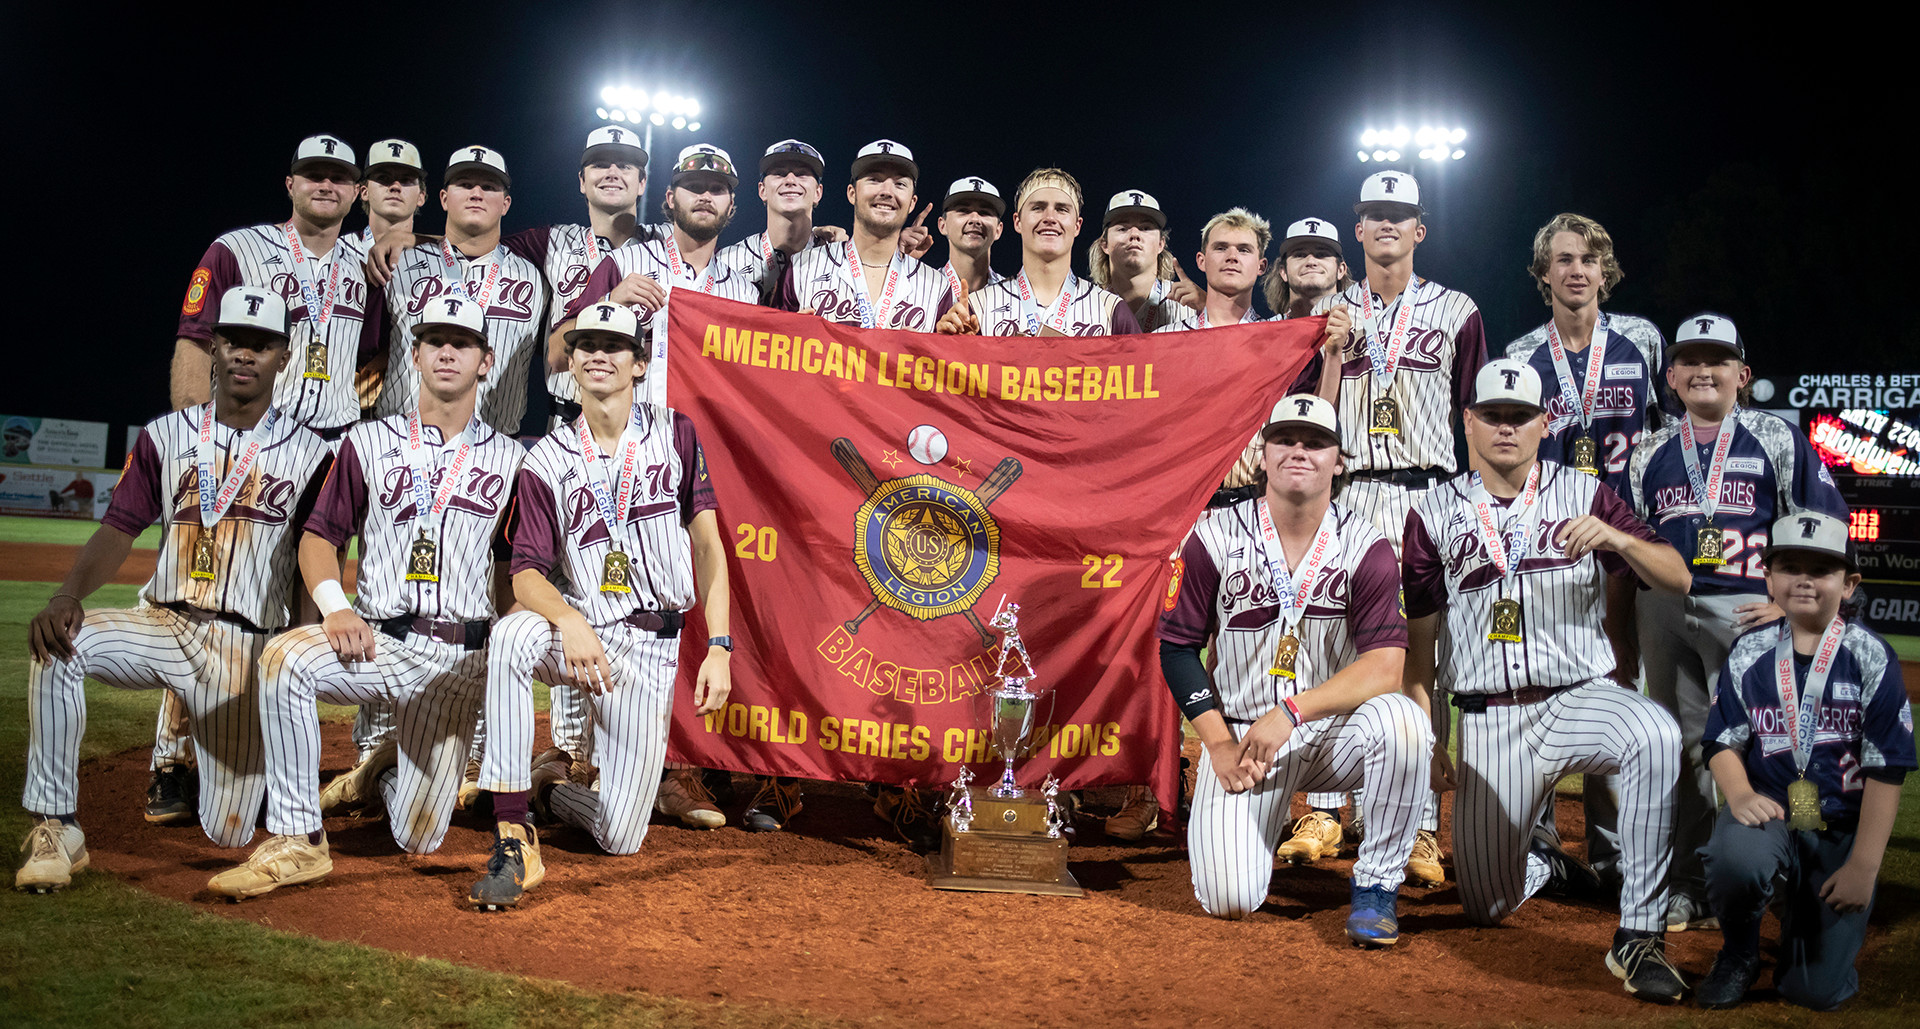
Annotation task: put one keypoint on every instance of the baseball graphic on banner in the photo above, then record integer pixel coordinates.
(927, 444)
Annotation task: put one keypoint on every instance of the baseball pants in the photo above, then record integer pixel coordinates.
(1385, 744)
(434, 691)
(628, 724)
(209, 665)
(1818, 945)
(1683, 642)
(1510, 758)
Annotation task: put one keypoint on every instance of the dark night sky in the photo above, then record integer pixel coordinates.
(1718, 152)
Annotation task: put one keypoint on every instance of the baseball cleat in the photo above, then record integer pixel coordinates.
(777, 801)
(469, 794)
(173, 795)
(911, 814)
(1568, 877)
(281, 861)
(1423, 863)
(359, 788)
(1372, 921)
(1316, 835)
(682, 795)
(1138, 815)
(55, 850)
(547, 773)
(1684, 912)
(1640, 960)
(513, 868)
(1727, 985)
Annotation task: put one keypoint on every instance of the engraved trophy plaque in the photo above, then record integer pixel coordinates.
(1002, 838)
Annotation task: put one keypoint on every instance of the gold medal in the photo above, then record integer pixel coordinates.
(317, 361)
(421, 560)
(1506, 621)
(1803, 805)
(1284, 657)
(1584, 453)
(202, 567)
(613, 573)
(1386, 417)
(1708, 550)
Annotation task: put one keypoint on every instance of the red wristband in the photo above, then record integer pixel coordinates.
(1293, 712)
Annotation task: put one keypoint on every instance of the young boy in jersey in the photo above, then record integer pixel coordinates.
(1712, 484)
(425, 492)
(1809, 738)
(1513, 556)
(228, 481)
(617, 509)
(1306, 695)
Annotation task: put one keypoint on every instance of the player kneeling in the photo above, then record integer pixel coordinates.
(226, 479)
(1516, 553)
(425, 492)
(1809, 738)
(619, 504)
(1304, 597)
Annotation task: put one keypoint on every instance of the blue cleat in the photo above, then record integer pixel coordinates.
(1372, 922)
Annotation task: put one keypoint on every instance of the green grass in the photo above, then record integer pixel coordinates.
(1907, 647)
(73, 531)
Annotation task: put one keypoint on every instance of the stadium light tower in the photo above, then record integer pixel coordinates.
(1438, 143)
(662, 109)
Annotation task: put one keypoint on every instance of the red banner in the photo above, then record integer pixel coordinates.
(881, 491)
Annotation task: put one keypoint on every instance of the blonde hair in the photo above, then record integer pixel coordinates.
(1239, 218)
(1597, 240)
(1042, 177)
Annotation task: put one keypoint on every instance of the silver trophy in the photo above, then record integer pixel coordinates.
(1056, 815)
(960, 805)
(1013, 701)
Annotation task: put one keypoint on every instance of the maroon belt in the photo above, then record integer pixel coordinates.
(471, 635)
(1514, 698)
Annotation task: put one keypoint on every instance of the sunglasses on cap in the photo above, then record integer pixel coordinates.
(705, 162)
(795, 148)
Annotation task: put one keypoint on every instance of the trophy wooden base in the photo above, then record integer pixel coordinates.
(1007, 851)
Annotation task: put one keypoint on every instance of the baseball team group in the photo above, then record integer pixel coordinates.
(1648, 587)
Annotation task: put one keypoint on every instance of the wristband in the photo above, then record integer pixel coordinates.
(329, 597)
(1293, 712)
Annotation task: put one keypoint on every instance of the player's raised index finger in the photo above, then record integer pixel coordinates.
(924, 211)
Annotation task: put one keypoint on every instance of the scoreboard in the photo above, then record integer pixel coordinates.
(1874, 457)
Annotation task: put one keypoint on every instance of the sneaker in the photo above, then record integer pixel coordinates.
(1423, 862)
(1684, 912)
(547, 773)
(1316, 835)
(281, 861)
(1371, 922)
(1138, 815)
(1728, 983)
(173, 796)
(512, 869)
(1640, 959)
(55, 850)
(777, 801)
(682, 795)
(1568, 877)
(359, 788)
(912, 814)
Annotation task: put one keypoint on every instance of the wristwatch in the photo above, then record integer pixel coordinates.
(723, 642)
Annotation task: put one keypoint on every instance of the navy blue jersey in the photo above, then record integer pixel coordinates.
(1865, 724)
(1771, 470)
(1619, 410)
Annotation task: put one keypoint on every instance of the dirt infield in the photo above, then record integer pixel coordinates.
(836, 920)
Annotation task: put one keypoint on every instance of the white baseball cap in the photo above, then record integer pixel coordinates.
(477, 158)
(605, 316)
(1134, 201)
(453, 311)
(324, 149)
(1389, 187)
(1813, 532)
(885, 151)
(254, 309)
(396, 153)
(1709, 328)
(1303, 409)
(796, 151)
(1312, 230)
(974, 187)
(705, 157)
(614, 144)
(1506, 381)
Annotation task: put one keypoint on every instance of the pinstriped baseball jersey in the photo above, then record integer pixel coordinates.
(1092, 311)
(514, 323)
(253, 542)
(563, 257)
(1865, 723)
(1225, 591)
(1188, 318)
(651, 260)
(1166, 313)
(822, 278)
(1622, 408)
(369, 493)
(1770, 470)
(748, 257)
(557, 524)
(258, 256)
(1446, 345)
(1561, 600)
